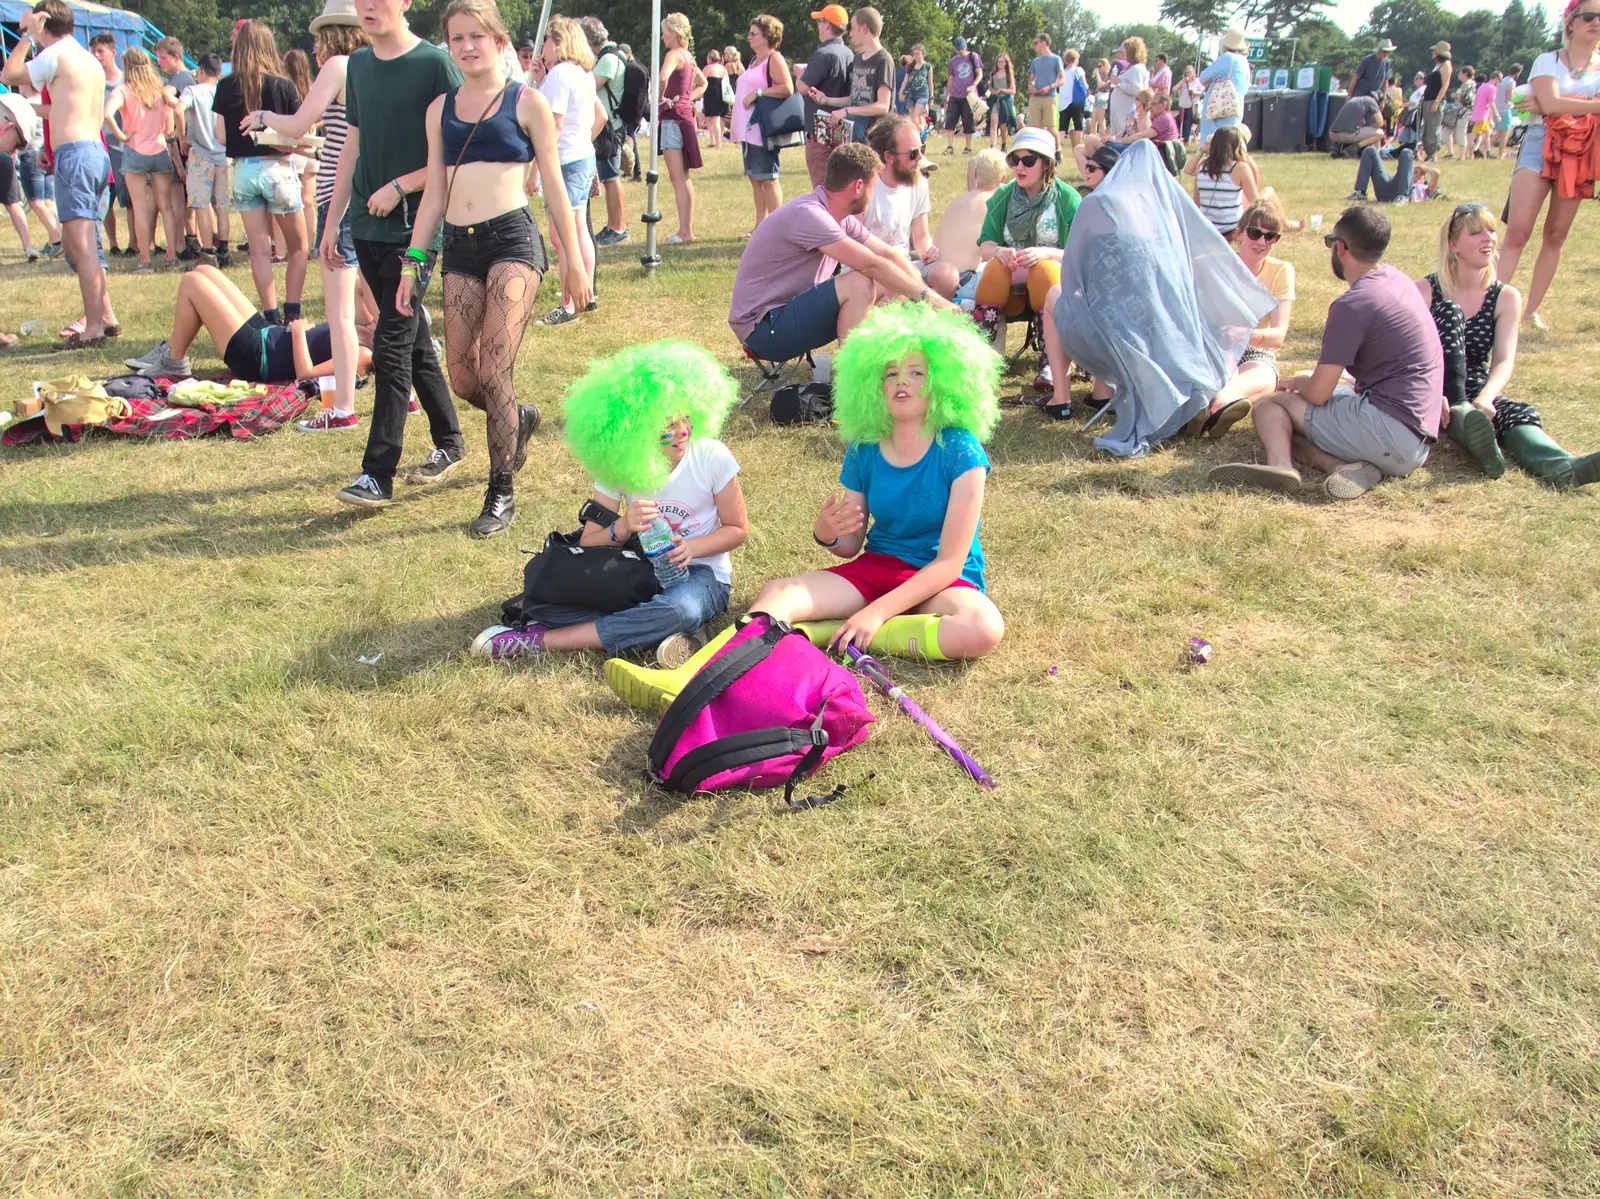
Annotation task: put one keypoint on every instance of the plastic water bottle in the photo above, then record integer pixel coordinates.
(657, 540)
(30, 328)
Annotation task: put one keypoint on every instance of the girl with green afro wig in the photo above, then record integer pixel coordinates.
(963, 371)
(914, 397)
(618, 411)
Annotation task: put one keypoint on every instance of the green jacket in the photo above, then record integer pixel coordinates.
(994, 220)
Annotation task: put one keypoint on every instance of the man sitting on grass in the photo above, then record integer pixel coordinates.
(957, 233)
(786, 299)
(898, 210)
(252, 348)
(1382, 425)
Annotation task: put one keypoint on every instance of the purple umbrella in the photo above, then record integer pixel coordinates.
(869, 668)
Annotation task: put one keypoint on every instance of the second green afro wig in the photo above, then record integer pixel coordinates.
(617, 412)
(963, 371)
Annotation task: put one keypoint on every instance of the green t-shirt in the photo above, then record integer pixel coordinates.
(397, 91)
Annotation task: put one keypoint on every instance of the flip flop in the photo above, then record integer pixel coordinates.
(77, 341)
(1224, 420)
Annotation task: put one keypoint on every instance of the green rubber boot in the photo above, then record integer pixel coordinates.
(1535, 451)
(653, 688)
(1473, 431)
(909, 636)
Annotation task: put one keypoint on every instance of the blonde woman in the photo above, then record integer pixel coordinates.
(266, 191)
(767, 77)
(732, 62)
(482, 137)
(1100, 96)
(1477, 318)
(679, 86)
(1132, 80)
(568, 88)
(137, 113)
(716, 104)
(338, 34)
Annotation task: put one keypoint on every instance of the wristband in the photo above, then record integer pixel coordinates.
(612, 533)
(827, 545)
(398, 190)
(409, 271)
(416, 255)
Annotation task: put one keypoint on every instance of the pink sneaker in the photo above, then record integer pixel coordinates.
(499, 642)
(329, 420)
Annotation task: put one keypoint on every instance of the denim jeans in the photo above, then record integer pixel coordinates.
(402, 359)
(680, 609)
(1385, 187)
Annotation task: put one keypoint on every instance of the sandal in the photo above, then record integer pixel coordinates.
(1220, 422)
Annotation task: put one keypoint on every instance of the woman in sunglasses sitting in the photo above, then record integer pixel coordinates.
(1259, 229)
(1024, 232)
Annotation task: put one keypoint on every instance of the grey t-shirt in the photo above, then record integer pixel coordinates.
(1046, 69)
(1381, 332)
(201, 127)
(1371, 75)
(1359, 112)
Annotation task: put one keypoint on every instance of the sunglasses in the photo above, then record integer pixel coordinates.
(1265, 235)
(1329, 238)
(914, 152)
(1587, 16)
(1024, 160)
(1092, 165)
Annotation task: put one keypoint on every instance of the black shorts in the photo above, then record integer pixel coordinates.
(958, 111)
(10, 191)
(1072, 118)
(244, 355)
(510, 237)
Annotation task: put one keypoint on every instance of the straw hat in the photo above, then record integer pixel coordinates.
(1233, 39)
(1386, 46)
(336, 12)
(1442, 49)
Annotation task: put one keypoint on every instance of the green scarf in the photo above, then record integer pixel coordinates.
(1022, 214)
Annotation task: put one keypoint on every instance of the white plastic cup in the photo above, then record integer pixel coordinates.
(823, 371)
(1316, 222)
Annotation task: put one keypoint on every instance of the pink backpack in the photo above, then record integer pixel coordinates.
(766, 711)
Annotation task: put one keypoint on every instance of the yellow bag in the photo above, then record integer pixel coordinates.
(78, 400)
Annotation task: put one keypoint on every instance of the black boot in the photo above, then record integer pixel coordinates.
(499, 507)
(527, 422)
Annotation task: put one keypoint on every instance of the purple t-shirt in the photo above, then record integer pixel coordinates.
(784, 257)
(964, 68)
(1381, 332)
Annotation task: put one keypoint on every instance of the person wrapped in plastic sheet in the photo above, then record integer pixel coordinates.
(1153, 301)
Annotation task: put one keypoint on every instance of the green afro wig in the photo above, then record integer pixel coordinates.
(617, 412)
(963, 371)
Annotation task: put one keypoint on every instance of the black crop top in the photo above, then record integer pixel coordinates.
(500, 137)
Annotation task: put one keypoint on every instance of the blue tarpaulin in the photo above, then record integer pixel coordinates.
(129, 28)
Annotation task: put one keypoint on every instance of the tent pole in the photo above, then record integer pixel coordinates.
(544, 24)
(651, 216)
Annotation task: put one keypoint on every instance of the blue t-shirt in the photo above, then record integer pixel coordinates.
(1047, 68)
(907, 504)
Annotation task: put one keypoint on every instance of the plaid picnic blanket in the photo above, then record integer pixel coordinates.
(244, 420)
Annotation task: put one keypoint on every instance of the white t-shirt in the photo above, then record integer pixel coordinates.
(1070, 75)
(689, 500)
(1583, 86)
(42, 66)
(892, 209)
(570, 91)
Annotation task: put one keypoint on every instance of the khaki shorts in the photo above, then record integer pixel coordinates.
(1042, 111)
(1353, 429)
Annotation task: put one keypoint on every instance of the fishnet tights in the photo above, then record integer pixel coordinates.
(483, 327)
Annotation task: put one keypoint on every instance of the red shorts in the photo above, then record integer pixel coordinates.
(876, 575)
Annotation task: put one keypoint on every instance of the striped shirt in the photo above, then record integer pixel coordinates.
(1220, 199)
(334, 129)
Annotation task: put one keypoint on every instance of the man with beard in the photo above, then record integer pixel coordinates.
(897, 214)
(1380, 425)
(787, 300)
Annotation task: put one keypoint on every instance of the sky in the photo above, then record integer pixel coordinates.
(1349, 14)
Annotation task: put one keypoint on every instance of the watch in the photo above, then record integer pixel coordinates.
(761, 93)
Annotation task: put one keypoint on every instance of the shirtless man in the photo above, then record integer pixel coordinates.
(957, 234)
(77, 108)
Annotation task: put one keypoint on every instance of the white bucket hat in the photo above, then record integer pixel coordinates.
(19, 110)
(1034, 139)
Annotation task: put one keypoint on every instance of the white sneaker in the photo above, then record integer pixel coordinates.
(677, 649)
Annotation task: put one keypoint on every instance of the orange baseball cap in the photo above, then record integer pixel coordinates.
(834, 14)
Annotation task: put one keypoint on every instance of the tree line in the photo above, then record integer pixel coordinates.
(1479, 37)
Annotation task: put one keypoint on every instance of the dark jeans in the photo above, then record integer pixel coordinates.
(1384, 187)
(1190, 121)
(402, 359)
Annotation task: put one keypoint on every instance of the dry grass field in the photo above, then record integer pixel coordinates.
(1316, 919)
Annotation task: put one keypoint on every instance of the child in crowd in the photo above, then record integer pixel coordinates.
(644, 422)
(914, 399)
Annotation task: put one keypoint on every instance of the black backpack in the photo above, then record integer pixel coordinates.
(627, 107)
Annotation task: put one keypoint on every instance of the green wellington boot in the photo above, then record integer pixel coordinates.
(1473, 431)
(909, 636)
(1535, 451)
(653, 688)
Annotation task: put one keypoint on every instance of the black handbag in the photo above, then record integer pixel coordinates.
(596, 578)
(782, 122)
(802, 404)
